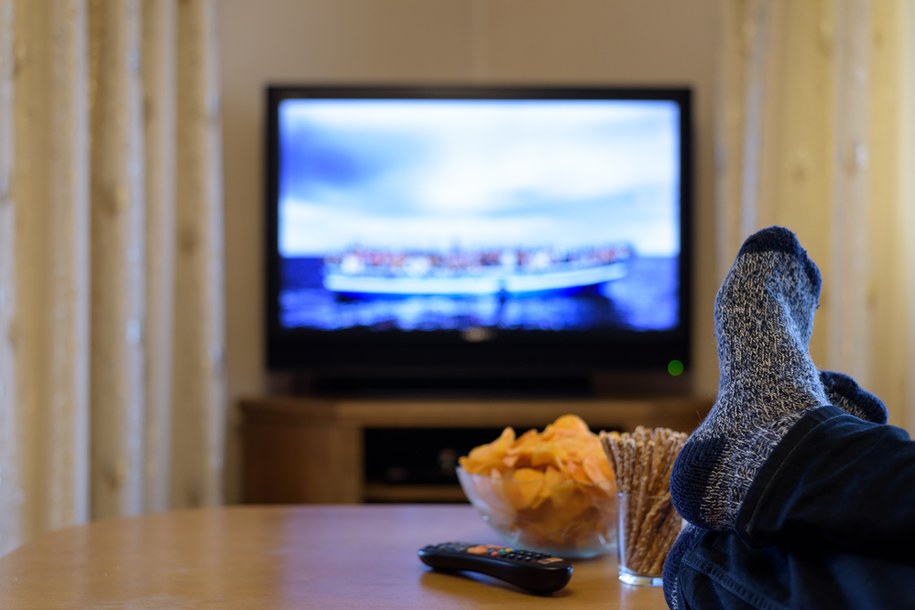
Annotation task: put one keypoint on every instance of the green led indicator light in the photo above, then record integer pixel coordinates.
(675, 368)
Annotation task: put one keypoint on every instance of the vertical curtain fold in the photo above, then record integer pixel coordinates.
(849, 324)
(112, 395)
(118, 260)
(29, 334)
(159, 61)
(11, 485)
(69, 231)
(901, 230)
(199, 371)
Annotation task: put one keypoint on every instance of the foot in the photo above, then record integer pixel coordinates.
(763, 320)
(845, 393)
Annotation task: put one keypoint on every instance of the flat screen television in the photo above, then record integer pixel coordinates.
(477, 233)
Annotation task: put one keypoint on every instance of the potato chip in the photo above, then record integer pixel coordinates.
(485, 457)
(523, 486)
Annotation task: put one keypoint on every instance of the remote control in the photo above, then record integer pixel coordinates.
(530, 570)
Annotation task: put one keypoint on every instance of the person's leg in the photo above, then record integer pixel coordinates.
(763, 321)
(719, 571)
(842, 391)
(838, 480)
(831, 510)
(768, 466)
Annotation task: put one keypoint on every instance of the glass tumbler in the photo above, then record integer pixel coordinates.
(648, 526)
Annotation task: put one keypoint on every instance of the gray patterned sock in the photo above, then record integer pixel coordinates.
(763, 321)
(845, 393)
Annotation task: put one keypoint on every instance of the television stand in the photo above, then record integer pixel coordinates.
(326, 449)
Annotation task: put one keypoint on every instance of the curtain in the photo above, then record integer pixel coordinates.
(815, 132)
(112, 390)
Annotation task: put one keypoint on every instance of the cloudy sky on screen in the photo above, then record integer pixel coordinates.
(437, 174)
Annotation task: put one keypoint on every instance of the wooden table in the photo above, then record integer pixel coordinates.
(276, 557)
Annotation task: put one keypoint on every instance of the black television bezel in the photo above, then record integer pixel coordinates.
(519, 355)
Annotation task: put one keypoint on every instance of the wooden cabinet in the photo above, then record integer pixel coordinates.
(311, 449)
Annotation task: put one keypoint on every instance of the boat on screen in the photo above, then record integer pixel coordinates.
(365, 273)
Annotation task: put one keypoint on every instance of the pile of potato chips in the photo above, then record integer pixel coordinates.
(551, 490)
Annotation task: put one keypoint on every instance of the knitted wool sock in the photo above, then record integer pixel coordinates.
(763, 321)
(845, 393)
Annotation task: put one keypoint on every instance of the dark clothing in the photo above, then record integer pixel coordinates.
(828, 523)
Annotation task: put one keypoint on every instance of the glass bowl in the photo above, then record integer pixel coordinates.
(566, 518)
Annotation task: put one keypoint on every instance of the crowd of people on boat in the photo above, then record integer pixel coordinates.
(359, 260)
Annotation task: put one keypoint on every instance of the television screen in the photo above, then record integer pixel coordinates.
(541, 219)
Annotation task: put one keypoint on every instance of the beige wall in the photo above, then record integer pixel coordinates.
(519, 41)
